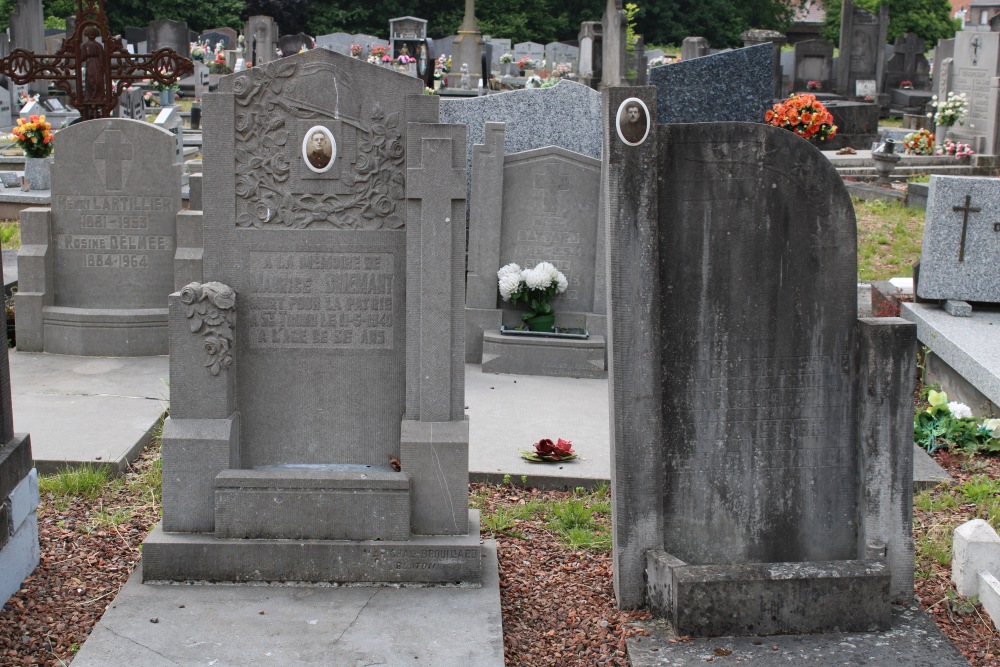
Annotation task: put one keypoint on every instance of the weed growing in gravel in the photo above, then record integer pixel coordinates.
(929, 501)
(10, 235)
(503, 520)
(109, 519)
(85, 481)
(980, 488)
(581, 522)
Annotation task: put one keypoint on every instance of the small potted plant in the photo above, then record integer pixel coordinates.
(36, 139)
(356, 51)
(533, 287)
(507, 66)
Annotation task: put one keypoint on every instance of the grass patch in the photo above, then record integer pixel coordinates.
(891, 121)
(82, 482)
(889, 239)
(583, 521)
(10, 234)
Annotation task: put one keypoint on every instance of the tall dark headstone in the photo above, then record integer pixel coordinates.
(758, 434)
(168, 34)
(862, 51)
(908, 64)
(813, 61)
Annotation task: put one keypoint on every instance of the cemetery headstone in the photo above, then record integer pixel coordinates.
(862, 35)
(201, 81)
(961, 242)
(168, 34)
(945, 49)
(169, 119)
(813, 61)
(908, 63)
(762, 457)
(557, 53)
(532, 50)
(27, 31)
(500, 47)
(776, 40)
(135, 36)
(974, 72)
(311, 279)
(292, 44)
(6, 106)
(539, 205)
(613, 28)
(591, 53)
(261, 39)
(19, 551)
(54, 41)
(689, 91)
(131, 104)
(694, 47)
(96, 268)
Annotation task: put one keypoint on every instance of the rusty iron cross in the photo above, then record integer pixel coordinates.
(965, 211)
(94, 73)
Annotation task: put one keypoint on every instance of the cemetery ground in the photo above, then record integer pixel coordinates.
(553, 546)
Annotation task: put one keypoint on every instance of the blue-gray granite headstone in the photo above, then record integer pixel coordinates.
(961, 240)
(730, 86)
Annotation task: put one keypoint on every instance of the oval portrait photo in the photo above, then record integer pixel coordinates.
(319, 149)
(632, 121)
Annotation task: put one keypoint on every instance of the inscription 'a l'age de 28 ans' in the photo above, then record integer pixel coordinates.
(321, 300)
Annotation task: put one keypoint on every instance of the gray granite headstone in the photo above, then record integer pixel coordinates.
(591, 52)
(261, 39)
(27, 31)
(975, 72)
(340, 42)
(613, 28)
(813, 61)
(694, 47)
(334, 244)
(19, 550)
(500, 47)
(532, 50)
(168, 34)
(96, 269)
(862, 40)
(529, 207)
(908, 63)
(225, 35)
(690, 91)
(745, 456)
(134, 35)
(961, 246)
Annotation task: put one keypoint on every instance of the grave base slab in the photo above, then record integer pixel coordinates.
(554, 357)
(433, 559)
(769, 598)
(311, 502)
(105, 333)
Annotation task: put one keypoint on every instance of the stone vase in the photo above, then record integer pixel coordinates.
(38, 171)
(166, 98)
(940, 134)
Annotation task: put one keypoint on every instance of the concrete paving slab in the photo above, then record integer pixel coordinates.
(912, 641)
(220, 625)
(97, 410)
(512, 412)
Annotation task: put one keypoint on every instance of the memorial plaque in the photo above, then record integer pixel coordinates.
(975, 69)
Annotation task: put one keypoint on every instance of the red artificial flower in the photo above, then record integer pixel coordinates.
(560, 449)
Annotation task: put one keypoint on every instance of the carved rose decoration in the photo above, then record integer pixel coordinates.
(211, 309)
(262, 167)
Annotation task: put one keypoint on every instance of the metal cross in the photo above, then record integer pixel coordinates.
(92, 66)
(966, 210)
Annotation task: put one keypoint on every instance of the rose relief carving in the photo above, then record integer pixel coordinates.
(262, 167)
(211, 309)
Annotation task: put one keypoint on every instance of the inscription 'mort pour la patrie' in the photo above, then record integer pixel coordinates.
(320, 300)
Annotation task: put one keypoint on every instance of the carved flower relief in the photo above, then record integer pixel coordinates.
(211, 309)
(263, 164)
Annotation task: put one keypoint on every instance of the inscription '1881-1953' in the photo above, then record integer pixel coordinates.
(321, 300)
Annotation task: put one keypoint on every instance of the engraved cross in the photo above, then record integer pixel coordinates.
(113, 151)
(965, 211)
(551, 180)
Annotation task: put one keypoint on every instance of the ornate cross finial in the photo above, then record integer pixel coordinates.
(94, 73)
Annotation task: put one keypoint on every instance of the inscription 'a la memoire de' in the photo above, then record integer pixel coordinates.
(264, 155)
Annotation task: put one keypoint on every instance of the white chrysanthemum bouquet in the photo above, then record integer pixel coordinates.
(533, 287)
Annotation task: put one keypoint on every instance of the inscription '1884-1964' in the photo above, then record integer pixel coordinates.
(321, 300)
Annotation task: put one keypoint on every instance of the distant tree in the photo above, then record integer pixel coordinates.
(929, 19)
(719, 21)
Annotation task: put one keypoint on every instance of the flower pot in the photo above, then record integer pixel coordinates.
(166, 98)
(38, 171)
(541, 323)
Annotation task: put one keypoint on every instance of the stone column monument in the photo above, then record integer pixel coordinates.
(467, 48)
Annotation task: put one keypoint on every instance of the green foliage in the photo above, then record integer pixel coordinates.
(928, 19)
(980, 489)
(576, 520)
(890, 236)
(932, 501)
(85, 482)
(198, 15)
(10, 235)
(503, 520)
(719, 21)
(107, 519)
(936, 427)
